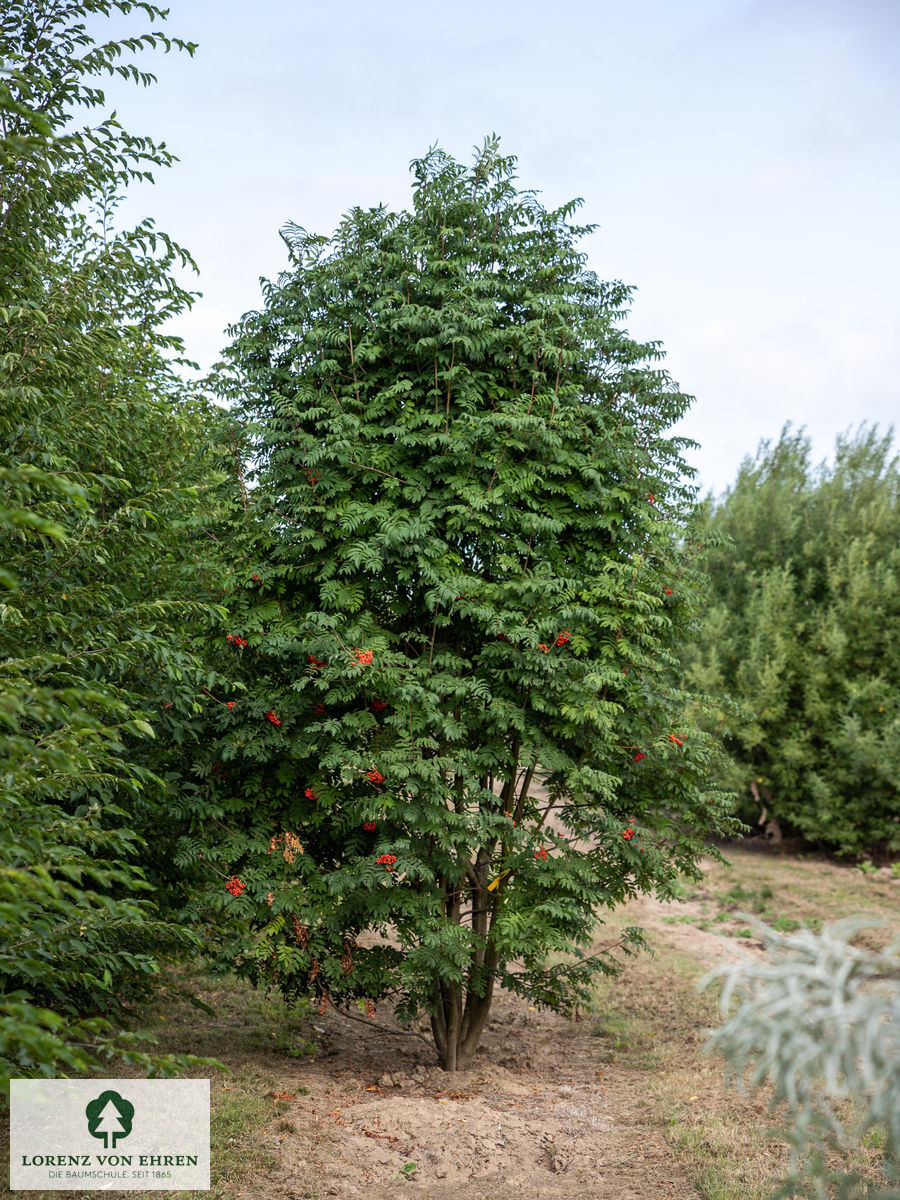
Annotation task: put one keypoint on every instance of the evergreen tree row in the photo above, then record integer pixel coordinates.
(802, 631)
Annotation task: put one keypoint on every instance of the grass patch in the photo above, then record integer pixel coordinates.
(788, 893)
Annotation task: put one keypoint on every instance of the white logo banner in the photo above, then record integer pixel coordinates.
(109, 1134)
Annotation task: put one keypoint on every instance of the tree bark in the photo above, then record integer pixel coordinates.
(457, 1027)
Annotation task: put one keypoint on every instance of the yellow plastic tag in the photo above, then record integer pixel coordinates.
(496, 882)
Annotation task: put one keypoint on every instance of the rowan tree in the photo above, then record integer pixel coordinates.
(462, 568)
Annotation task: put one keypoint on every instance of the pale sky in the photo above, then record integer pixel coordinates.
(740, 157)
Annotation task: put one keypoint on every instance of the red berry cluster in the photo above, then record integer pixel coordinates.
(669, 591)
(540, 853)
(235, 886)
(319, 710)
(650, 497)
(640, 754)
(369, 826)
(628, 835)
(676, 740)
(564, 637)
(235, 640)
(231, 704)
(363, 657)
(315, 663)
(386, 860)
(377, 706)
(310, 794)
(270, 716)
(255, 578)
(374, 776)
(313, 477)
(501, 637)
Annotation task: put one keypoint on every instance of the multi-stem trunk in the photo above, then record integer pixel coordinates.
(458, 1024)
(461, 1011)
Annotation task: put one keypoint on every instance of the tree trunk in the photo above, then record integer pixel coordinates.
(456, 1025)
(457, 1028)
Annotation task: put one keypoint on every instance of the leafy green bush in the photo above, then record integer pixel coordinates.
(803, 630)
(102, 463)
(463, 571)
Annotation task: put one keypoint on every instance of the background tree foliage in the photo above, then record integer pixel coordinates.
(803, 630)
(463, 569)
(104, 463)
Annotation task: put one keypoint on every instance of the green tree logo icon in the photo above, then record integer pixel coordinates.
(109, 1116)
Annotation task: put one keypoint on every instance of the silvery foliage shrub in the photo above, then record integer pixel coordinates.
(818, 1018)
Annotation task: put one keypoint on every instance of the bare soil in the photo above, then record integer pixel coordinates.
(558, 1108)
(544, 1114)
(547, 1112)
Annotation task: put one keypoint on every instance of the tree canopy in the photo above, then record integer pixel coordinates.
(458, 588)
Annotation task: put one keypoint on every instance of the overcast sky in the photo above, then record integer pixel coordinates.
(740, 157)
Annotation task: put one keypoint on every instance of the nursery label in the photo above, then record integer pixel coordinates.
(109, 1134)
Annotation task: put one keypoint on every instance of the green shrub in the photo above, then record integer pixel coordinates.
(102, 459)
